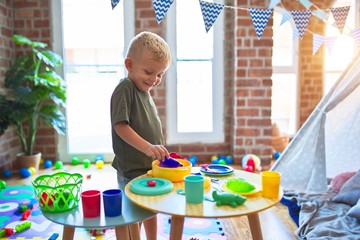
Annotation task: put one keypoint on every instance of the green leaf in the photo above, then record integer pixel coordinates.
(50, 58)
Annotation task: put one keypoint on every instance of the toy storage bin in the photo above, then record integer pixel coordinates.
(59, 192)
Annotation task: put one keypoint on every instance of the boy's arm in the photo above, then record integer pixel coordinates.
(132, 138)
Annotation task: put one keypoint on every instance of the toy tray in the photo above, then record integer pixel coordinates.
(59, 192)
(140, 186)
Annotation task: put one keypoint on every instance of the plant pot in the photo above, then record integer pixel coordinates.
(24, 161)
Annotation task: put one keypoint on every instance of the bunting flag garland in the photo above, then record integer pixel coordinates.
(286, 16)
(306, 3)
(114, 3)
(260, 18)
(321, 14)
(210, 12)
(273, 3)
(318, 40)
(329, 43)
(161, 7)
(356, 34)
(301, 19)
(340, 14)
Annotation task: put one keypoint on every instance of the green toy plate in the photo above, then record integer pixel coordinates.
(141, 187)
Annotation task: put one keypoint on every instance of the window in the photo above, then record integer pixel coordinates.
(345, 46)
(195, 80)
(93, 53)
(284, 78)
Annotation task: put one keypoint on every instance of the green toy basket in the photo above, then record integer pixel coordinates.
(59, 192)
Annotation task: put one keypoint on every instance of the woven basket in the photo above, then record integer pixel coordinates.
(279, 143)
(59, 192)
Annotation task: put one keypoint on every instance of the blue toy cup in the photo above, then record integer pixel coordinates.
(112, 199)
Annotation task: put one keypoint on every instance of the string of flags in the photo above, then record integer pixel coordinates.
(260, 17)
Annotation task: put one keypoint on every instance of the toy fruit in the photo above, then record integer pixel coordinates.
(170, 163)
(151, 183)
(45, 198)
(239, 185)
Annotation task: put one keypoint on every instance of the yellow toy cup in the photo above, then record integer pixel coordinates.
(270, 184)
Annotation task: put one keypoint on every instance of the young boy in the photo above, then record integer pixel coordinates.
(136, 128)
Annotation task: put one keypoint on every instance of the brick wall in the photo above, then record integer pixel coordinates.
(30, 18)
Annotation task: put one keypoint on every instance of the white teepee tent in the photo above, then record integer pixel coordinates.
(328, 142)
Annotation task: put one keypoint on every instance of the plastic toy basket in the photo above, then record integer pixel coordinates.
(59, 192)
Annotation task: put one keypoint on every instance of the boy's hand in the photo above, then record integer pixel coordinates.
(157, 152)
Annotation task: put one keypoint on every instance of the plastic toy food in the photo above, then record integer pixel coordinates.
(170, 163)
(230, 199)
(23, 226)
(151, 183)
(239, 185)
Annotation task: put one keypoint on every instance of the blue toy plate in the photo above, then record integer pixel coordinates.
(217, 170)
(140, 186)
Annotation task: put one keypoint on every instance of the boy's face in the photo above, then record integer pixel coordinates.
(145, 72)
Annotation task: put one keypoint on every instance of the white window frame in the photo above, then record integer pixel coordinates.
(57, 43)
(293, 69)
(217, 135)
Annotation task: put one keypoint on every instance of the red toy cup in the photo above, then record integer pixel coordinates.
(91, 203)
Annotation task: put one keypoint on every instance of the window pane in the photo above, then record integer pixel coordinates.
(93, 64)
(283, 42)
(194, 97)
(198, 44)
(283, 102)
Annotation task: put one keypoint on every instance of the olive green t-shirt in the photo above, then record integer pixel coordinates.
(138, 109)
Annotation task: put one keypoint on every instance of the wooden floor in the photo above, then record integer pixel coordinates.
(276, 223)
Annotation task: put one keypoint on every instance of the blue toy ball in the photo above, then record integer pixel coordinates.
(215, 161)
(7, 173)
(25, 172)
(229, 159)
(193, 160)
(99, 158)
(47, 164)
(276, 155)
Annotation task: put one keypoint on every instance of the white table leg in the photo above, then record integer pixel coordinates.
(255, 226)
(176, 229)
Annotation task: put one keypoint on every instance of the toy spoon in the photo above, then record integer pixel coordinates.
(207, 169)
(182, 192)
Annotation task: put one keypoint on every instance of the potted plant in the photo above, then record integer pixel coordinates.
(33, 91)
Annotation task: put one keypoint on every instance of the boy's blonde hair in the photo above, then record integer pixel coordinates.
(152, 43)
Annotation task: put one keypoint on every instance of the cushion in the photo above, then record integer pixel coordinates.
(350, 191)
(355, 211)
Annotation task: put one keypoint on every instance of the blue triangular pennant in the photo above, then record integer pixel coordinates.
(301, 19)
(114, 3)
(161, 7)
(260, 18)
(210, 12)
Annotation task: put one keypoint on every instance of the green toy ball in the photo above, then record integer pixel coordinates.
(86, 163)
(2, 184)
(75, 161)
(58, 164)
(222, 161)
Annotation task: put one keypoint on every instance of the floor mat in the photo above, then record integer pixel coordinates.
(41, 228)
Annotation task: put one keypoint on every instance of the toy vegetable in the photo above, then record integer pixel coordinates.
(230, 199)
(23, 226)
(239, 185)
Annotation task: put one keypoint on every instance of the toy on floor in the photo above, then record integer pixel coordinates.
(7, 173)
(99, 164)
(54, 236)
(6, 232)
(86, 163)
(2, 184)
(25, 206)
(75, 160)
(239, 185)
(193, 160)
(251, 162)
(58, 164)
(22, 226)
(25, 172)
(276, 155)
(226, 198)
(26, 214)
(97, 232)
(48, 164)
(222, 159)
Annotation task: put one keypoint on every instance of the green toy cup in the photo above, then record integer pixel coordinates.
(194, 189)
